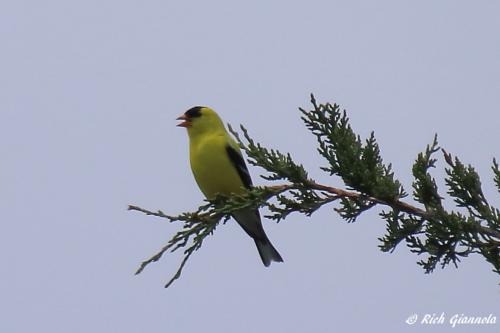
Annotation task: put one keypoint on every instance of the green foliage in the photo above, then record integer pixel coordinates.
(424, 186)
(280, 166)
(441, 235)
(197, 226)
(496, 171)
(359, 165)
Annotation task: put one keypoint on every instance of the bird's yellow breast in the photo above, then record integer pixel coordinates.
(212, 168)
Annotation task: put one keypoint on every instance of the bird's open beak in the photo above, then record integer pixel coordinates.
(185, 123)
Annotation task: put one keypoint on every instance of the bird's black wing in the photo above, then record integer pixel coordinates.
(239, 163)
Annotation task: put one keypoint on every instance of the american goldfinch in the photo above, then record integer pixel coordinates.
(219, 168)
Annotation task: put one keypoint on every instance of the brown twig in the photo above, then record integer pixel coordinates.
(158, 213)
(398, 204)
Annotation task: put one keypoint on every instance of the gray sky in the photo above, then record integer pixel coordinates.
(89, 93)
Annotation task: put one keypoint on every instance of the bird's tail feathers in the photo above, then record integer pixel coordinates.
(267, 251)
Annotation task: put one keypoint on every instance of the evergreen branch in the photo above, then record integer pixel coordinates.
(359, 165)
(424, 187)
(496, 171)
(430, 229)
(197, 226)
(158, 213)
(280, 166)
(397, 205)
(444, 236)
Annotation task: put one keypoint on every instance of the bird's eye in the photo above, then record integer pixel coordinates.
(194, 112)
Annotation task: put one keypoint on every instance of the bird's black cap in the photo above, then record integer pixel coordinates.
(194, 112)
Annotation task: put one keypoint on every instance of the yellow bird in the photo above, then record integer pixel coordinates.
(219, 168)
